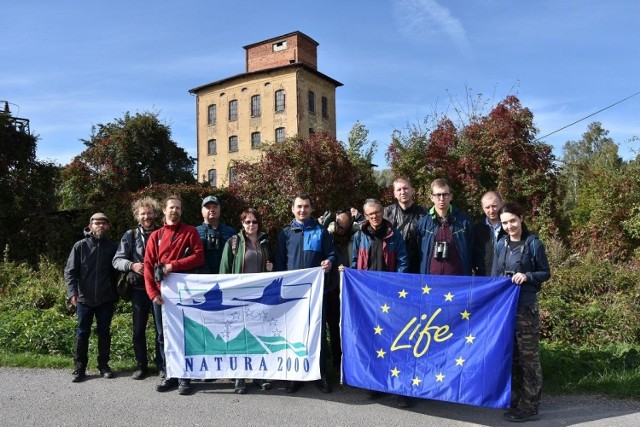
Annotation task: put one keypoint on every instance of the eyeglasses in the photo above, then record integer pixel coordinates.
(249, 222)
(441, 195)
(373, 214)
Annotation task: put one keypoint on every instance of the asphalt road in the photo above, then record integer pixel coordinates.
(47, 397)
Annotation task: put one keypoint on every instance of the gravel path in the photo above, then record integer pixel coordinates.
(47, 397)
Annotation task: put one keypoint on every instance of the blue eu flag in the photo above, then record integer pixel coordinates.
(447, 338)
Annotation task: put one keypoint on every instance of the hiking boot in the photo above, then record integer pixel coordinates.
(140, 374)
(184, 388)
(241, 387)
(293, 386)
(518, 415)
(167, 384)
(78, 375)
(106, 372)
(323, 385)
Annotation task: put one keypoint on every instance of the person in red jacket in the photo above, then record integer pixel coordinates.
(175, 247)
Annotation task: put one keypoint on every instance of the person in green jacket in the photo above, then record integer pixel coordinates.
(248, 252)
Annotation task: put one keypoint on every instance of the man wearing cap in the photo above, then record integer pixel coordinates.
(91, 289)
(213, 233)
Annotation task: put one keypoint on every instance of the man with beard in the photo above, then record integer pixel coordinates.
(404, 215)
(129, 259)
(175, 247)
(91, 288)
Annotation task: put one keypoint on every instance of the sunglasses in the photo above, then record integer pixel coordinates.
(249, 222)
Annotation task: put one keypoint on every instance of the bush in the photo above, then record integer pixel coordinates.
(35, 318)
(591, 302)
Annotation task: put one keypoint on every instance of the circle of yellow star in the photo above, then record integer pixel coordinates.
(377, 330)
(460, 361)
(385, 308)
(439, 377)
(426, 289)
(465, 314)
(449, 297)
(395, 372)
(381, 353)
(470, 339)
(416, 381)
(403, 294)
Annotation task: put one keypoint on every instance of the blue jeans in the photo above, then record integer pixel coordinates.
(140, 308)
(103, 314)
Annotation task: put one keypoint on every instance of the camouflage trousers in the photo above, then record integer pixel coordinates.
(526, 378)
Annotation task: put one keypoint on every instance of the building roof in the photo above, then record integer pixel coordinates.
(336, 83)
(272, 39)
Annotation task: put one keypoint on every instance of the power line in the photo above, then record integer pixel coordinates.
(590, 115)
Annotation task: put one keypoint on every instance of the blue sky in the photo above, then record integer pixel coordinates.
(68, 65)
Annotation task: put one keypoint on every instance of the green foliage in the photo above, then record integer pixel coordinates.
(591, 302)
(318, 166)
(609, 369)
(124, 156)
(35, 318)
(27, 191)
(497, 151)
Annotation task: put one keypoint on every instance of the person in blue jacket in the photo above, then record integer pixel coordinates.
(305, 243)
(446, 235)
(521, 256)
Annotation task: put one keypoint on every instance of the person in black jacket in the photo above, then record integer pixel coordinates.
(521, 256)
(91, 288)
(404, 215)
(485, 233)
(129, 259)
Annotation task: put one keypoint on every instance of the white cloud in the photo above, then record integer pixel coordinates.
(427, 19)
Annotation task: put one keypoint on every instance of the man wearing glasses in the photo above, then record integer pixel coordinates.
(446, 235)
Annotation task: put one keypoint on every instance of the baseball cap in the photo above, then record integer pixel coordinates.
(210, 199)
(97, 216)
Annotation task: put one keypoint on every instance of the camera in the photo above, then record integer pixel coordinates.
(158, 273)
(214, 241)
(441, 250)
(509, 273)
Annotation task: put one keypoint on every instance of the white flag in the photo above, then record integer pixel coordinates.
(264, 325)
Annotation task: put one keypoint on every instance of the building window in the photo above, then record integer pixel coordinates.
(212, 147)
(255, 140)
(279, 101)
(211, 114)
(312, 102)
(280, 136)
(213, 176)
(325, 107)
(232, 175)
(255, 105)
(233, 110)
(233, 143)
(278, 46)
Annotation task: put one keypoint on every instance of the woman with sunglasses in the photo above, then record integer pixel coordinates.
(248, 252)
(521, 256)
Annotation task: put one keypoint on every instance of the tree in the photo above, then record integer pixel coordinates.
(318, 165)
(27, 192)
(595, 149)
(496, 151)
(601, 191)
(124, 156)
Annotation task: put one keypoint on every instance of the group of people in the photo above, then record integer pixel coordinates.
(404, 237)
